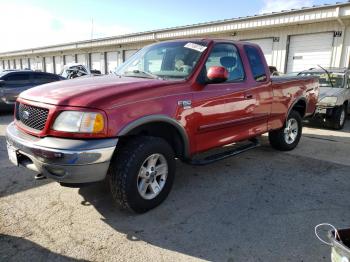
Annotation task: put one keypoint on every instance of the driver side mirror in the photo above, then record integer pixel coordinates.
(217, 74)
(2, 83)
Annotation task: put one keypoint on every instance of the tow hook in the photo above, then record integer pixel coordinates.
(40, 177)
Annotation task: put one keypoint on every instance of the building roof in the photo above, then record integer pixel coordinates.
(167, 33)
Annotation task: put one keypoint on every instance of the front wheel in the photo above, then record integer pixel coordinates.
(288, 137)
(142, 173)
(339, 118)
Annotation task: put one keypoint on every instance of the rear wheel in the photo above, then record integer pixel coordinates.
(339, 118)
(288, 137)
(142, 173)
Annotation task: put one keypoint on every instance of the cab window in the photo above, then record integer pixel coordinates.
(226, 55)
(256, 63)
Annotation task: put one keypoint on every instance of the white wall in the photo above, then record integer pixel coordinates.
(25, 63)
(280, 47)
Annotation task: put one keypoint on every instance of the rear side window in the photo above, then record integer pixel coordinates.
(226, 55)
(41, 78)
(256, 63)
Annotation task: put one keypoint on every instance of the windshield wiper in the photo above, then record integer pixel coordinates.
(143, 72)
(329, 75)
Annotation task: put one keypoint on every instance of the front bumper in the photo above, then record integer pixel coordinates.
(64, 160)
(324, 112)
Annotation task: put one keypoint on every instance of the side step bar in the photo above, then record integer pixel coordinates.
(226, 154)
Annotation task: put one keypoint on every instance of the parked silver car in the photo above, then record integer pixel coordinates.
(333, 104)
(12, 83)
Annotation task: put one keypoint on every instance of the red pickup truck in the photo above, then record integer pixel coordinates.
(171, 100)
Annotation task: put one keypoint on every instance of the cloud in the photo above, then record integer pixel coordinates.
(25, 27)
(279, 5)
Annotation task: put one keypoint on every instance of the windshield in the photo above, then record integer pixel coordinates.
(337, 79)
(3, 74)
(170, 60)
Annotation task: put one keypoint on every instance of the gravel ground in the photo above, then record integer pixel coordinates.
(260, 206)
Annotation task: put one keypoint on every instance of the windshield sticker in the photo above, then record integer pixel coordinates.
(196, 47)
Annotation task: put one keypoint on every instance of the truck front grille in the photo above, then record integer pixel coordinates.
(32, 116)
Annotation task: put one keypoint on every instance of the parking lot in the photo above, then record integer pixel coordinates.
(260, 206)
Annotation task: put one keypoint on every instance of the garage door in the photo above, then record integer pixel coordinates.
(129, 53)
(18, 64)
(39, 64)
(96, 62)
(58, 64)
(25, 63)
(308, 51)
(49, 64)
(112, 61)
(82, 59)
(266, 45)
(70, 59)
(12, 64)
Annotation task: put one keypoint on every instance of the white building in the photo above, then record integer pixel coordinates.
(292, 40)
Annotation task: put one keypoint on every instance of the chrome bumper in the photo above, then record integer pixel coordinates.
(64, 160)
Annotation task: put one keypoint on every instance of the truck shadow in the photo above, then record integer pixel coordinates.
(20, 249)
(238, 208)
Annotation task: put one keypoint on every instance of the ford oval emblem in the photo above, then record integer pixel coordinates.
(25, 115)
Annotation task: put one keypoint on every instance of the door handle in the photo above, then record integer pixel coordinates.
(248, 96)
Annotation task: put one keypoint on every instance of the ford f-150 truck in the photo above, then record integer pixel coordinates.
(171, 100)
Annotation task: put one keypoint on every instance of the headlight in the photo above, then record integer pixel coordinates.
(328, 101)
(79, 122)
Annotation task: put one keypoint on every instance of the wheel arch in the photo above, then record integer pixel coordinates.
(160, 126)
(300, 106)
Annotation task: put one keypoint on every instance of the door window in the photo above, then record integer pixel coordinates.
(40, 78)
(226, 55)
(17, 79)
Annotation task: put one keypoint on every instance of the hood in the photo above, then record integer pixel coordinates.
(98, 92)
(329, 91)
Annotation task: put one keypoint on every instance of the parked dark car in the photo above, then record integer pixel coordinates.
(12, 83)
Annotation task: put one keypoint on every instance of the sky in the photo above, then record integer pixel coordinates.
(35, 23)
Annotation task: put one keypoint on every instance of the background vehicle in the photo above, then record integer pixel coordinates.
(333, 104)
(12, 83)
(77, 70)
(170, 100)
(274, 71)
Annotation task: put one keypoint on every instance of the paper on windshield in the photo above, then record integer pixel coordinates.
(196, 47)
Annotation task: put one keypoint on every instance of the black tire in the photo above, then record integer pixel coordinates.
(338, 120)
(277, 137)
(125, 167)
